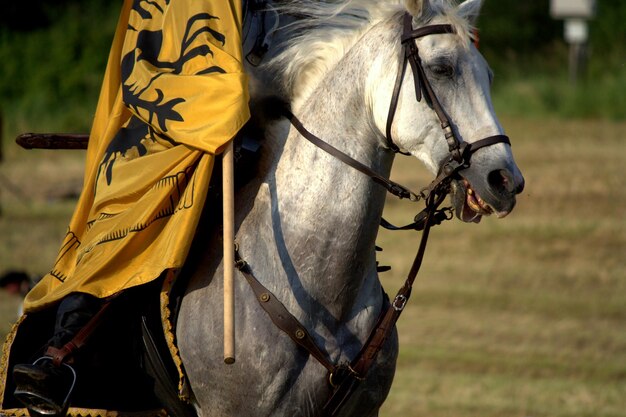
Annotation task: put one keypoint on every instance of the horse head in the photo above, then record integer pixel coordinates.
(448, 63)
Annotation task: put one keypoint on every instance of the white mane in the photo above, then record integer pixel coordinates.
(325, 30)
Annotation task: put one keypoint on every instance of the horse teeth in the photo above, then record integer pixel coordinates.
(470, 191)
(485, 209)
(473, 204)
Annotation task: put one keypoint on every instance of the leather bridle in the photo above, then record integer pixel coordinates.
(344, 378)
(460, 152)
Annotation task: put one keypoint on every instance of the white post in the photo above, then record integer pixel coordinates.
(576, 34)
(576, 13)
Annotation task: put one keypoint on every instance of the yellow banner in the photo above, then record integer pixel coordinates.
(174, 93)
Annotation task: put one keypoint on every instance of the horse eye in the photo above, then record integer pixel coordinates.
(442, 70)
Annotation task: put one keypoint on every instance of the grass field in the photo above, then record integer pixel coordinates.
(520, 317)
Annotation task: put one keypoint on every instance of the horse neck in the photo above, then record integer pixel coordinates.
(328, 213)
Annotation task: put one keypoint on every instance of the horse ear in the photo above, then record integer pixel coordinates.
(417, 8)
(470, 10)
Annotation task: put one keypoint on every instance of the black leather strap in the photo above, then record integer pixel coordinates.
(393, 106)
(391, 186)
(361, 365)
(488, 141)
(425, 30)
(411, 55)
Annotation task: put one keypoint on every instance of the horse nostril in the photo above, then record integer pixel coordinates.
(520, 187)
(501, 180)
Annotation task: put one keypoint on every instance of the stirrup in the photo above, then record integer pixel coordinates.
(38, 401)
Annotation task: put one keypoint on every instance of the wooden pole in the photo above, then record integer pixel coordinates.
(229, 253)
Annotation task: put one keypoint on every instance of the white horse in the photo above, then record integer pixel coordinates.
(307, 224)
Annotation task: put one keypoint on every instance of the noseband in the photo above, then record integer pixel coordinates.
(460, 152)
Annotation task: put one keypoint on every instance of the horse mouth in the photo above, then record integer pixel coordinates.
(469, 205)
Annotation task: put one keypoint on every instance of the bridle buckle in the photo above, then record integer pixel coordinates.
(399, 302)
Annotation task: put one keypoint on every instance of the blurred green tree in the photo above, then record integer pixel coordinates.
(53, 55)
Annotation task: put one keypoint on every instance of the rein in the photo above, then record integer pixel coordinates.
(391, 186)
(344, 378)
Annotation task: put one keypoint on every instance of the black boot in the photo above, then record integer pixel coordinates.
(43, 386)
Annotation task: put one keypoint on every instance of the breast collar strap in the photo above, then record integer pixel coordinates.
(458, 152)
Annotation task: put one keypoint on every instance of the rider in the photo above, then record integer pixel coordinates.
(174, 93)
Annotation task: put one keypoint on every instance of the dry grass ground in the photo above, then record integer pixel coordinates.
(524, 316)
(519, 317)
